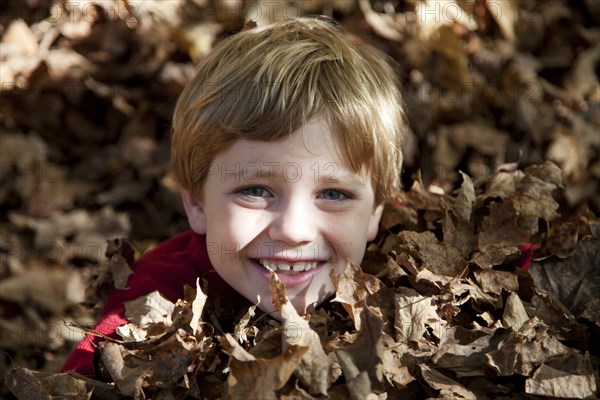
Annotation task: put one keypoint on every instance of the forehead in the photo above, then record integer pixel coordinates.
(312, 149)
(312, 142)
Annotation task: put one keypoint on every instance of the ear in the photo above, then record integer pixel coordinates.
(374, 222)
(194, 211)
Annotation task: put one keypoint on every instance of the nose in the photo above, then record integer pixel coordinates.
(294, 222)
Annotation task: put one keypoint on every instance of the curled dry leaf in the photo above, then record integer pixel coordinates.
(372, 359)
(152, 308)
(463, 351)
(445, 385)
(533, 196)
(241, 328)
(574, 281)
(514, 315)
(569, 376)
(438, 257)
(314, 367)
(50, 289)
(357, 382)
(121, 255)
(494, 282)
(500, 237)
(465, 200)
(129, 380)
(525, 350)
(23, 384)
(353, 287)
(197, 307)
(84, 234)
(416, 317)
(242, 382)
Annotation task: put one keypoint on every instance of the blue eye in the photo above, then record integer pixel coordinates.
(334, 195)
(254, 191)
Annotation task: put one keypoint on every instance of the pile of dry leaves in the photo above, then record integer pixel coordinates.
(503, 164)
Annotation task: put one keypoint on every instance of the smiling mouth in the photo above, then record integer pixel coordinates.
(288, 268)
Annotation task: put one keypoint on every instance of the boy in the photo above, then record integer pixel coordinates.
(286, 144)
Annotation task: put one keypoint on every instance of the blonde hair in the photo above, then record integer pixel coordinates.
(265, 83)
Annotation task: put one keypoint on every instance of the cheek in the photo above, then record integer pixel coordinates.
(349, 238)
(237, 225)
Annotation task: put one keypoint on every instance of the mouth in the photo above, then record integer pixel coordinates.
(293, 273)
(288, 268)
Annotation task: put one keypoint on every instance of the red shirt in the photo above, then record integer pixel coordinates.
(167, 268)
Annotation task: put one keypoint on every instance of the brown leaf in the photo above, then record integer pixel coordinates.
(429, 21)
(384, 25)
(501, 236)
(121, 256)
(88, 232)
(570, 153)
(514, 315)
(235, 350)
(24, 385)
(152, 308)
(277, 289)
(467, 289)
(465, 200)
(353, 287)
(452, 67)
(128, 380)
(563, 238)
(406, 205)
(493, 281)
(463, 351)
(241, 328)
(169, 361)
(242, 382)
(445, 385)
(458, 233)
(480, 136)
(502, 184)
(436, 256)
(393, 369)
(583, 80)
(399, 215)
(313, 368)
(569, 376)
(66, 385)
(18, 37)
(414, 315)
(297, 393)
(534, 192)
(51, 289)
(574, 281)
(197, 308)
(505, 13)
(525, 350)
(367, 351)
(23, 151)
(552, 312)
(357, 382)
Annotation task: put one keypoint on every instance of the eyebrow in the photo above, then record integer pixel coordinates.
(252, 172)
(346, 178)
(248, 172)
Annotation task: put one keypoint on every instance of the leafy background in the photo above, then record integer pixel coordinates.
(503, 104)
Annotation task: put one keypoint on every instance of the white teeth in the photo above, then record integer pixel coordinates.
(299, 267)
(283, 266)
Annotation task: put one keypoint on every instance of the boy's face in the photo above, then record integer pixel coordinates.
(290, 205)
